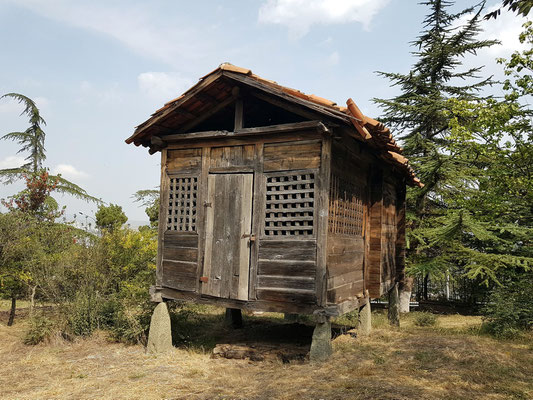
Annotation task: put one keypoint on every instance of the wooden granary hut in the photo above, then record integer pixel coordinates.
(275, 200)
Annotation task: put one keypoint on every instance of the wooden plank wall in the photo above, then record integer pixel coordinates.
(180, 261)
(345, 240)
(388, 234)
(373, 283)
(283, 269)
(286, 270)
(178, 250)
(287, 265)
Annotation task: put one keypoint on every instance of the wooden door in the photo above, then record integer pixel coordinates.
(227, 236)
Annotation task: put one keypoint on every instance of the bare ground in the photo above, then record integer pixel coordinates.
(450, 361)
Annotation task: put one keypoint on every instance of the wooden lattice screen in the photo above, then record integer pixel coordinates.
(290, 200)
(346, 211)
(182, 199)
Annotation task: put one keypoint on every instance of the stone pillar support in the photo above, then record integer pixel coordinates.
(321, 348)
(160, 335)
(364, 322)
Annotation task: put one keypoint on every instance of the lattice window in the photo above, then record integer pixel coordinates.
(346, 209)
(182, 198)
(290, 201)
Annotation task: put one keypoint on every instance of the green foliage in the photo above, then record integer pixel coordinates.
(510, 306)
(32, 142)
(41, 327)
(473, 218)
(149, 198)
(110, 217)
(520, 7)
(425, 319)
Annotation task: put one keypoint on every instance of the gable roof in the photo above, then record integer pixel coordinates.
(217, 90)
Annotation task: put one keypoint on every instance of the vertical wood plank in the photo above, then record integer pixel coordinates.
(238, 114)
(163, 211)
(201, 213)
(207, 287)
(258, 218)
(321, 219)
(245, 243)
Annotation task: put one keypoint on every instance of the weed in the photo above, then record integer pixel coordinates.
(425, 319)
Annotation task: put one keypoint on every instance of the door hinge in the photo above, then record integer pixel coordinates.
(206, 204)
(204, 279)
(249, 235)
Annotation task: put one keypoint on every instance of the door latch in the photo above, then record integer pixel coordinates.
(249, 235)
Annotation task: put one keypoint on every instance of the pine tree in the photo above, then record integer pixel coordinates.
(421, 114)
(32, 143)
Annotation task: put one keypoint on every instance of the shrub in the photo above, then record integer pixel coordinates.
(40, 329)
(425, 319)
(510, 307)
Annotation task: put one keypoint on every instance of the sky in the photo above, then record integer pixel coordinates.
(96, 69)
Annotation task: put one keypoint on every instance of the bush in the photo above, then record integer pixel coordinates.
(425, 319)
(510, 307)
(40, 329)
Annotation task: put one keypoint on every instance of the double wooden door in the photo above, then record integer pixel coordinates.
(226, 268)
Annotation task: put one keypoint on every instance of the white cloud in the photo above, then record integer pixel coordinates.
(135, 25)
(12, 162)
(300, 15)
(69, 172)
(162, 86)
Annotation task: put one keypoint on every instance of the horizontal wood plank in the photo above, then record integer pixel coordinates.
(286, 295)
(298, 250)
(292, 156)
(290, 283)
(184, 160)
(286, 267)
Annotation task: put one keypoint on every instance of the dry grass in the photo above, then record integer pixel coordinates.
(449, 361)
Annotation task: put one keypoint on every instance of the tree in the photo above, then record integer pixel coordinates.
(110, 217)
(149, 198)
(421, 114)
(32, 142)
(520, 7)
(17, 246)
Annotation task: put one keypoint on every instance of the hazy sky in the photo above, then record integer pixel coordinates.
(98, 68)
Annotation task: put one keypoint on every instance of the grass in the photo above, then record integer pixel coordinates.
(451, 360)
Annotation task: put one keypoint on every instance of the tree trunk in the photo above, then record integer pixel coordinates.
(32, 300)
(426, 280)
(405, 290)
(394, 306)
(12, 311)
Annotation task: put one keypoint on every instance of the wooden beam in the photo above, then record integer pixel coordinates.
(331, 112)
(187, 95)
(209, 113)
(238, 115)
(271, 129)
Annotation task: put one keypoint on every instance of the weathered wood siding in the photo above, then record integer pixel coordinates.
(180, 260)
(281, 259)
(286, 270)
(287, 253)
(388, 234)
(348, 202)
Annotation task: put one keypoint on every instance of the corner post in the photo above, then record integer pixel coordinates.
(233, 318)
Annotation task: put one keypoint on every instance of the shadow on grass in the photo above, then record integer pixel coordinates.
(201, 328)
